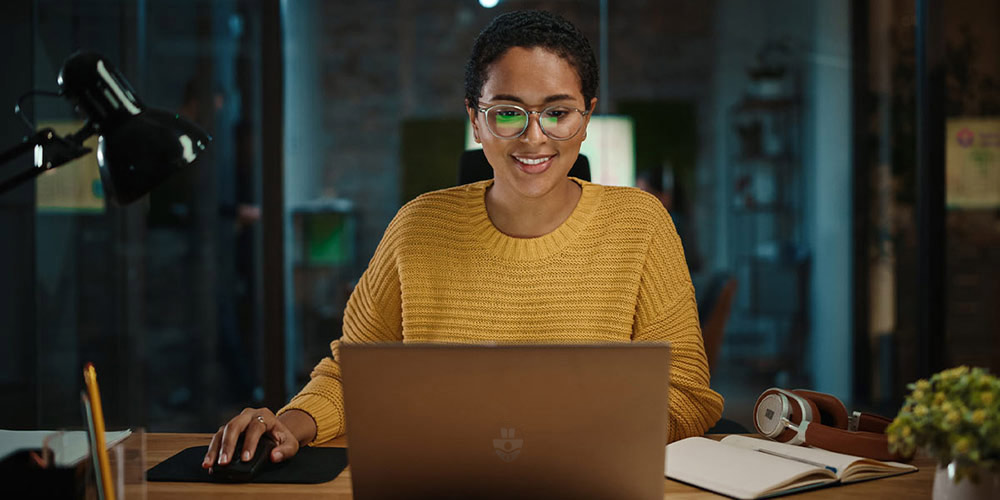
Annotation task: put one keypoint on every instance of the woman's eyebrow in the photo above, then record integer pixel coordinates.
(551, 98)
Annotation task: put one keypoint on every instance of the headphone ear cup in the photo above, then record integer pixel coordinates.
(829, 410)
(773, 405)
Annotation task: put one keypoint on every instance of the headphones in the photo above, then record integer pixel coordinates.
(812, 418)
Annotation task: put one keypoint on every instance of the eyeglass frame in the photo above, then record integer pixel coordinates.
(527, 122)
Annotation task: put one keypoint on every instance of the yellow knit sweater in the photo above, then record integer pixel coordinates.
(613, 272)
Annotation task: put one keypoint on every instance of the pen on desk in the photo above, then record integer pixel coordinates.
(97, 414)
(796, 459)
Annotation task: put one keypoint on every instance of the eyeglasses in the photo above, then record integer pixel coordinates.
(508, 121)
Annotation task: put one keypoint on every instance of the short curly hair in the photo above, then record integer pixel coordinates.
(528, 29)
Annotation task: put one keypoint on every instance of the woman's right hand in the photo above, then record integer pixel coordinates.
(255, 422)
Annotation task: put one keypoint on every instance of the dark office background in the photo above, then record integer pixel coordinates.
(801, 145)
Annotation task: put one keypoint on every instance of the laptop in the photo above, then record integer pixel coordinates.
(458, 421)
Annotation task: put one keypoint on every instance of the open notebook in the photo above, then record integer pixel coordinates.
(746, 467)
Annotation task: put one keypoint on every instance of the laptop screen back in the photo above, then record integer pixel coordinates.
(506, 421)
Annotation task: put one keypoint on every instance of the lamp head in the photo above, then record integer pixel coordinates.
(138, 147)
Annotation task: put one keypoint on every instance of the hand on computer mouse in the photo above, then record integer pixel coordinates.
(242, 471)
(253, 423)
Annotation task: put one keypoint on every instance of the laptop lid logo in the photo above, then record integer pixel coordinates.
(507, 447)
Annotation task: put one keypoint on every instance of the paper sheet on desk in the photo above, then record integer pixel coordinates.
(71, 448)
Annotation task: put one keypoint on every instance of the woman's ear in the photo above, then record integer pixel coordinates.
(593, 109)
(472, 119)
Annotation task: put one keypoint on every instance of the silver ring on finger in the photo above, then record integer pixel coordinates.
(261, 419)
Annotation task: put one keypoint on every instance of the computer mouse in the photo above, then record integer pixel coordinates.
(238, 471)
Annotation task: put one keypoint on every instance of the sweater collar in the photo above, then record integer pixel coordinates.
(528, 249)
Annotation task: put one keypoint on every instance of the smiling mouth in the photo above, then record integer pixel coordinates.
(534, 165)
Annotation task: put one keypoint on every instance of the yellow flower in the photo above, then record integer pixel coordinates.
(978, 417)
(923, 385)
(954, 373)
(921, 411)
(906, 431)
(918, 395)
(952, 418)
(939, 397)
(962, 446)
(987, 397)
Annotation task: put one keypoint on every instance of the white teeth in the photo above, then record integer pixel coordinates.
(532, 161)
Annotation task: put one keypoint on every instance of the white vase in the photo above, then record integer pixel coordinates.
(945, 487)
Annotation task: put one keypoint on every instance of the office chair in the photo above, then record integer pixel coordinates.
(713, 325)
(473, 167)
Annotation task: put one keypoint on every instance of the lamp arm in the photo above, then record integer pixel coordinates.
(56, 151)
(23, 147)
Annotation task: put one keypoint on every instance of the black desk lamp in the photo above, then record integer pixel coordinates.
(138, 147)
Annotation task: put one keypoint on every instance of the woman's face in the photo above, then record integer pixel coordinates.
(533, 164)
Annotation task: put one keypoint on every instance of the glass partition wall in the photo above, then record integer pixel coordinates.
(930, 193)
(163, 295)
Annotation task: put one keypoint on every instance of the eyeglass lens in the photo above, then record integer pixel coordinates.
(557, 122)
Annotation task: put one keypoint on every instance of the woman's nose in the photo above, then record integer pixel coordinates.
(534, 131)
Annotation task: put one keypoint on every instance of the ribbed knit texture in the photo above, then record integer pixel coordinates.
(613, 272)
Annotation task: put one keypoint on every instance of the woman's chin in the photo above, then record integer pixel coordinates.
(536, 185)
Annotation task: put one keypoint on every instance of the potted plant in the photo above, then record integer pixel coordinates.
(954, 417)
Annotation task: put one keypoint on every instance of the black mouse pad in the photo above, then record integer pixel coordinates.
(310, 466)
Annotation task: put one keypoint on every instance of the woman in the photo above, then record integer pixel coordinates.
(531, 256)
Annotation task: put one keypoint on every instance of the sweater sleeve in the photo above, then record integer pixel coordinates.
(667, 311)
(373, 314)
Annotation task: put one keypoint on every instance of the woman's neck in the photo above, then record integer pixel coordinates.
(522, 217)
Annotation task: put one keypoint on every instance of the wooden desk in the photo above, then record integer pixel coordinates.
(159, 447)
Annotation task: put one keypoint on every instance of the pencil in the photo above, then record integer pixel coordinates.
(90, 378)
(797, 459)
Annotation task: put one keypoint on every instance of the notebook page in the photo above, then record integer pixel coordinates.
(736, 471)
(863, 468)
(73, 447)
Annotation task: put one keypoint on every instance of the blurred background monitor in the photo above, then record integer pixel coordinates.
(325, 233)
